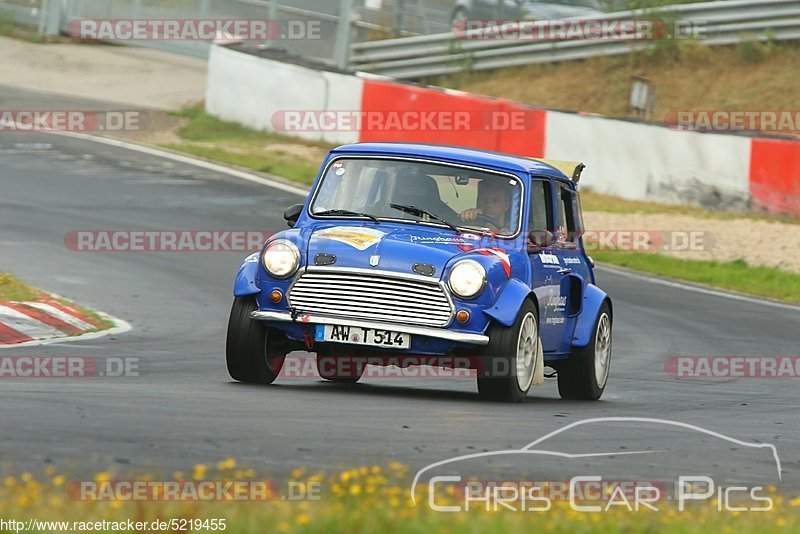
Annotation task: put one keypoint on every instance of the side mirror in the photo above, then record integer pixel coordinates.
(540, 239)
(292, 213)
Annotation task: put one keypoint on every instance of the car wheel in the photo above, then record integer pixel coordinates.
(247, 347)
(342, 369)
(511, 356)
(584, 375)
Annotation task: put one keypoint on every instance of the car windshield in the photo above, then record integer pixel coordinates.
(418, 191)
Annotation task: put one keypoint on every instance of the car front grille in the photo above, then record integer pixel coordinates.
(371, 296)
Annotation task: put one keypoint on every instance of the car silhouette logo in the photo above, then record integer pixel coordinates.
(533, 449)
(373, 260)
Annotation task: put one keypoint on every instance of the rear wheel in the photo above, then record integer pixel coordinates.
(342, 369)
(584, 375)
(510, 358)
(247, 350)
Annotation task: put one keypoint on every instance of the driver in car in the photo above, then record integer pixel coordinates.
(493, 206)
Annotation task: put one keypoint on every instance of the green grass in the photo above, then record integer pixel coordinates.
(736, 275)
(11, 28)
(283, 165)
(228, 142)
(204, 127)
(12, 289)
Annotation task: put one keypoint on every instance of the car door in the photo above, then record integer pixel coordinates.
(547, 270)
(569, 229)
(574, 269)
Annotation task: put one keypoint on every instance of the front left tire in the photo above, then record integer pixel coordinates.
(511, 357)
(247, 352)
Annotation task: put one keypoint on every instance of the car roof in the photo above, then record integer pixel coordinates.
(454, 154)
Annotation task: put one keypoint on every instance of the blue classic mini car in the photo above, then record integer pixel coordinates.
(409, 251)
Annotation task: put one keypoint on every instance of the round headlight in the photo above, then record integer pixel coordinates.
(467, 278)
(281, 258)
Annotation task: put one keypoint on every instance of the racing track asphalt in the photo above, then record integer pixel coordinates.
(183, 408)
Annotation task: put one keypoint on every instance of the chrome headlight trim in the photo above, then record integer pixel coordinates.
(288, 247)
(477, 270)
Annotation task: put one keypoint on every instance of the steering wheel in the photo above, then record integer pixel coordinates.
(485, 220)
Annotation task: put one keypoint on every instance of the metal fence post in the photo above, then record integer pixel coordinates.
(399, 17)
(50, 20)
(42, 17)
(343, 30)
(272, 15)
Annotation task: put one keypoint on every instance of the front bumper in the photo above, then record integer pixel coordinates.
(315, 318)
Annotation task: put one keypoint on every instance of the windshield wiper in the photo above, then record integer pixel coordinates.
(348, 212)
(419, 212)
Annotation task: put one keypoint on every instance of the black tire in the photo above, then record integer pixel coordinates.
(577, 378)
(246, 348)
(341, 369)
(497, 381)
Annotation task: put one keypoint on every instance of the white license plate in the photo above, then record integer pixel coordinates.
(356, 335)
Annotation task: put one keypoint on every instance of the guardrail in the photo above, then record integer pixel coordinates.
(725, 23)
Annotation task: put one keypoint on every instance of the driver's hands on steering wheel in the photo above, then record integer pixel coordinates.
(477, 216)
(470, 214)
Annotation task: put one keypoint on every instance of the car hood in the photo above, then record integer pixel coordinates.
(386, 246)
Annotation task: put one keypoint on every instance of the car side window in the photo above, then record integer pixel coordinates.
(540, 216)
(569, 221)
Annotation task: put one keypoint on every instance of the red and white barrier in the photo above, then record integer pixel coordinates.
(633, 160)
(775, 175)
(42, 320)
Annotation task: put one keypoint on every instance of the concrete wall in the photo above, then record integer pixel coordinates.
(647, 162)
(255, 91)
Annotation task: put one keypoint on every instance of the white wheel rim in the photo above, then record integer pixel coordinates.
(527, 345)
(602, 350)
